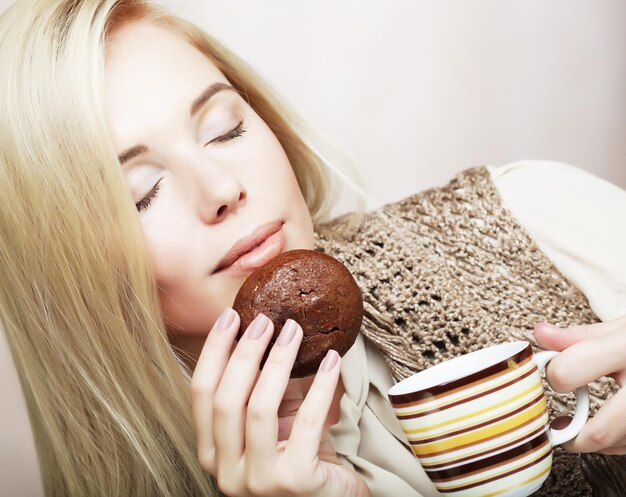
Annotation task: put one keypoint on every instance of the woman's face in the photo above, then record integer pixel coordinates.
(220, 173)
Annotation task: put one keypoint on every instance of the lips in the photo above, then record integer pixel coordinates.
(254, 250)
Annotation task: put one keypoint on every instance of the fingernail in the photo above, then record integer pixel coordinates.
(330, 360)
(287, 333)
(258, 326)
(551, 326)
(226, 319)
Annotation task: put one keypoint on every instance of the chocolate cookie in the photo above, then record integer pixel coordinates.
(315, 290)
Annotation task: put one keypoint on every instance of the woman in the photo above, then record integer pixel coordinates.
(97, 292)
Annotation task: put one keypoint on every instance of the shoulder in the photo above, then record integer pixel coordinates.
(554, 179)
(543, 193)
(577, 220)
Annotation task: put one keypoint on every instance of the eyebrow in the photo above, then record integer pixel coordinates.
(197, 104)
(206, 95)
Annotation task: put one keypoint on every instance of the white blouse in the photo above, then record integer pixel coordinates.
(579, 221)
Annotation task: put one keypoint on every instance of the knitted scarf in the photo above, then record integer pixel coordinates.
(450, 270)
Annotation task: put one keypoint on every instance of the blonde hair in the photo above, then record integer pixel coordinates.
(108, 399)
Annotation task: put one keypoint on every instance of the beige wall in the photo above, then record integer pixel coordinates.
(416, 90)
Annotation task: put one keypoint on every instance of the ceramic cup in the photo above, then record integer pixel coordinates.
(478, 423)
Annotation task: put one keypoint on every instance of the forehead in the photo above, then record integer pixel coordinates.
(150, 72)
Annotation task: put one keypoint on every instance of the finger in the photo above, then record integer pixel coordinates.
(620, 443)
(234, 391)
(552, 337)
(307, 431)
(586, 361)
(269, 391)
(614, 451)
(620, 378)
(206, 378)
(605, 430)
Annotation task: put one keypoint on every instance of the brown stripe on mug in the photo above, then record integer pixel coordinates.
(489, 463)
(498, 477)
(469, 399)
(486, 422)
(432, 466)
(443, 389)
(482, 440)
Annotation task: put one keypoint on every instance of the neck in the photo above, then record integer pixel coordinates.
(188, 349)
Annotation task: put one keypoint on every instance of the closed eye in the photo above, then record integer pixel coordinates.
(145, 202)
(234, 133)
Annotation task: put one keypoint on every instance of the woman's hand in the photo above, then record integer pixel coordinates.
(590, 352)
(256, 434)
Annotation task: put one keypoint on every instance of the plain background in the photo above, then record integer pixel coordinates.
(417, 90)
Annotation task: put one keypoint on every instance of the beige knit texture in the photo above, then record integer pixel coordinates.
(450, 270)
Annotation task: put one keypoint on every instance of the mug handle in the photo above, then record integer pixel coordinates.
(557, 437)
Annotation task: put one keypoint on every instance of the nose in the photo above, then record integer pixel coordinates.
(219, 193)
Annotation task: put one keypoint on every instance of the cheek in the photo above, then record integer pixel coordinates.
(277, 185)
(270, 170)
(170, 258)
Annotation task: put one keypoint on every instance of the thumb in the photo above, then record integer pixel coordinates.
(552, 337)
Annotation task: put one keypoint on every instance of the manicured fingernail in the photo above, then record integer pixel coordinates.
(226, 319)
(258, 326)
(551, 326)
(330, 360)
(287, 333)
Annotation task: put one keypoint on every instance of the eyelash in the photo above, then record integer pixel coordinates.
(238, 131)
(145, 202)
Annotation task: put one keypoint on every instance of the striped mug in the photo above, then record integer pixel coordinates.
(479, 424)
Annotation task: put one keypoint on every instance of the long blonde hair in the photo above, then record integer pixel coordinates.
(107, 397)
